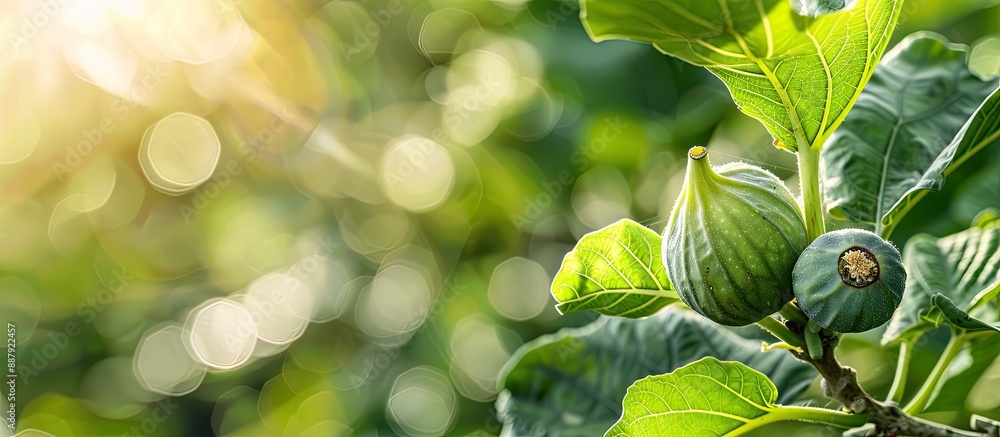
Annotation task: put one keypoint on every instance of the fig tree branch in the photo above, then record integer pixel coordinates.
(841, 383)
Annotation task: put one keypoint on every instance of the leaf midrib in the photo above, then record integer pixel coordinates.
(734, 392)
(797, 127)
(641, 291)
(867, 73)
(793, 116)
(883, 177)
(632, 254)
(690, 411)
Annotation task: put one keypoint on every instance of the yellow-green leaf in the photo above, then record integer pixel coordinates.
(712, 397)
(798, 75)
(616, 271)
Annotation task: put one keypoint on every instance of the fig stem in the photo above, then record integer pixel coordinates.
(792, 313)
(814, 344)
(779, 330)
(812, 202)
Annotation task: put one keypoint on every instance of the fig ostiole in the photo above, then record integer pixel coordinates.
(849, 280)
(732, 240)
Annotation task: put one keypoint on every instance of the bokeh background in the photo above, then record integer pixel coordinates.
(248, 217)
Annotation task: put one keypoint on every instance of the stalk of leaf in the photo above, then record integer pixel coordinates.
(959, 337)
(917, 404)
(902, 369)
(779, 330)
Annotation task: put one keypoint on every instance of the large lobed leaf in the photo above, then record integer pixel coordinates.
(572, 383)
(711, 397)
(798, 75)
(909, 129)
(947, 280)
(616, 271)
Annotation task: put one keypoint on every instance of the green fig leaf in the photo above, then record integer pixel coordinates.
(797, 75)
(712, 397)
(572, 383)
(949, 279)
(910, 128)
(616, 271)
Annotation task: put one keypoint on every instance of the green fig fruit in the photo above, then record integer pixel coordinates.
(849, 280)
(732, 240)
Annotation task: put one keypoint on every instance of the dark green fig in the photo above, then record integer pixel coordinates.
(849, 280)
(732, 240)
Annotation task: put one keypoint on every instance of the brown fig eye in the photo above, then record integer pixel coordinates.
(858, 267)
